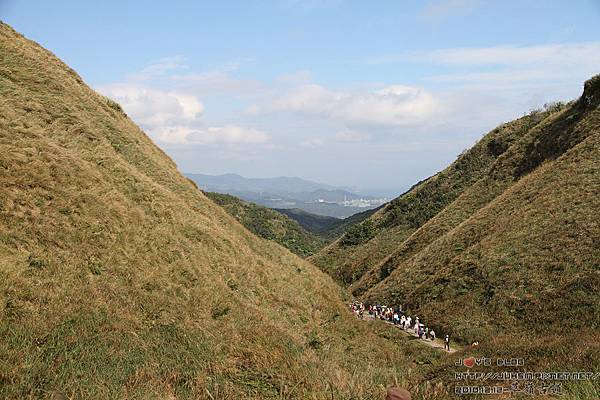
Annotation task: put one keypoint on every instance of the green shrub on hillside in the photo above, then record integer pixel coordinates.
(359, 233)
(269, 224)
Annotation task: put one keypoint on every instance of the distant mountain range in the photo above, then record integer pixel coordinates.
(290, 192)
(282, 184)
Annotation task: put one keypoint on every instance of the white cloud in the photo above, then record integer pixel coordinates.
(352, 136)
(175, 118)
(177, 134)
(228, 134)
(309, 98)
(160, 68)
(312, 143)
(522, 70)
(517, 71)
(214, 82)
(544, 55)
(253, 109)
(556, 62)
(395, 105)
(152, 107)
(298, 77)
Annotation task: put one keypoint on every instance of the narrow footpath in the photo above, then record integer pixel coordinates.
(390, 315)
(436, 344)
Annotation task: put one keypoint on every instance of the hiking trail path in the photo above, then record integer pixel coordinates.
(438, 343)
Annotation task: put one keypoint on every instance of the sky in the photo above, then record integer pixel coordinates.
(373, 95)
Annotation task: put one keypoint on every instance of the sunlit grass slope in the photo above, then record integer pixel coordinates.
(502, 247)
(520, 247)
(366, 245)
(119, 279)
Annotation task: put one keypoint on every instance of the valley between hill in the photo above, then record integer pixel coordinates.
(120, 279)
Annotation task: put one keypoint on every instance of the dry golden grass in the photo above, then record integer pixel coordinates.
(512, 260)
(358, 266)
(502, 247)
(119, 279)
(513, 243)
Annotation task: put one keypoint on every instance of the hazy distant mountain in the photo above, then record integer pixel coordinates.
(278, 185)
(289, 192)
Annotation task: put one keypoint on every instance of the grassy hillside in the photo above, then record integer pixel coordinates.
(365, 246)
(502, 247)
(516, 265)
(318, 224)
(119, 279)
(328, 228)
(530, 220)
(270, 224)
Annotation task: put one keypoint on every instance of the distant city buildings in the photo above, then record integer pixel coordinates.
(364, 203)
(360, 203)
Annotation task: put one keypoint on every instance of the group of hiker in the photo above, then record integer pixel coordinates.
(396, 316)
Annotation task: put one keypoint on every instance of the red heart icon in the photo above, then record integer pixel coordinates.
(469, 362)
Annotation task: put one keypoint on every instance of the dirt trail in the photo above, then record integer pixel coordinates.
(436, 344)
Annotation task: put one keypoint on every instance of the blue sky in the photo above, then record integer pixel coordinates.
(375, 95)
